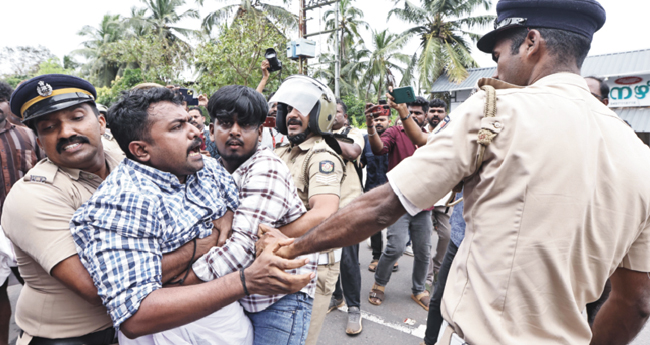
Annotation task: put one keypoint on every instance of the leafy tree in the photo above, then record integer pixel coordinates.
(277, 16)
(236, 56)
(23, 61)
(109, 95)
(52, 66)
(384, 59)
(442, 27)
(159, 18)
(350, 20)
(100, 68)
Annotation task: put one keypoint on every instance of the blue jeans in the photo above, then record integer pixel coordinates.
(284, 322)
(420, 228)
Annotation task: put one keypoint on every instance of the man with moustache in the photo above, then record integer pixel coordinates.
(558, 203)
(306, 111)
(161, 197)
(59, 303)
(397, 144)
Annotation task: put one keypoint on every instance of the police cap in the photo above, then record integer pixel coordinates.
(48, 93)
(583, 17)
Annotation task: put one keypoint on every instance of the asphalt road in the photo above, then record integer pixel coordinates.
(382, 325)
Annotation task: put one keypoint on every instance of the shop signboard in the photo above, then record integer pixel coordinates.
(629, 91)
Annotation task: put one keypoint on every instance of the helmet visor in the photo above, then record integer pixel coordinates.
(300, 93)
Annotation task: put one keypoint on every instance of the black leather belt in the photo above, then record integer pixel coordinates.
(105, 337)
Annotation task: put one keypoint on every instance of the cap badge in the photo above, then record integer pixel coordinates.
(44, 89)
(508, 22)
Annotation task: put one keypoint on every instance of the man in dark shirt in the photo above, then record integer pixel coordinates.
(396, 143)
(376, 168)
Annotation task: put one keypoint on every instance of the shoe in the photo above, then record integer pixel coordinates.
(396, 266)
(354, 321)
(409, 250)
(335, 304)
(369, 243)
(373, 265)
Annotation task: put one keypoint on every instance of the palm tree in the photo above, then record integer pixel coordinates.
(159, 18)
(349, 23)
(441, 26)
(276, 15)
(383, 61)
(102, 70)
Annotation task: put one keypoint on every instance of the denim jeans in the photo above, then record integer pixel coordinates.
(434, 320)
(350, 278)
(420, 228)
(284, 322)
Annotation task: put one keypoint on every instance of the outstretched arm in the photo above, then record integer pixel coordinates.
(625, 311)
(265, 76)
(411, 128)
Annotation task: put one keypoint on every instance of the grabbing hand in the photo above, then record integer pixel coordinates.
(267, 276)
(371, 111)
(203, 100)
(269, 236)
(265, 69)
(224, 226)
(203, 245)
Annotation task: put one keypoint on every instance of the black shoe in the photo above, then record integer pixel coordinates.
(354, 321)
(335, 304)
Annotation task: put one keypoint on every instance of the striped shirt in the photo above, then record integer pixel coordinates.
(18, 154)
(268, 196)
(138, 214)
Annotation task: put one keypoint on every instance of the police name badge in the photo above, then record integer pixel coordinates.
(326, 167)
(43, 89)
(443, 124)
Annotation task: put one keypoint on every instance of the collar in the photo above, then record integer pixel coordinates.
(244, 166)
(165, 180)
(8, 125)
(309, 143)
(553, 79)
(112, 160)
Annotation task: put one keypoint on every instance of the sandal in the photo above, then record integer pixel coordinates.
(396, 266)
(376, 295)
(422, 299)
(373, 265)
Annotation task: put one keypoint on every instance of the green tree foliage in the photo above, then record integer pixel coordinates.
(236, 56)
(108, 95)
(101, 69)
(385, 58)
(278, 16)
(52, 66)
(350, 21)
(442, 27)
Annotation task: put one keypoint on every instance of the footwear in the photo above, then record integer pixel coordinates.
(369, 243)
(395, 266)
(373, 265)
(376, 294)
(335, 304)
(354, 321)
(409, 250)
(422, 299)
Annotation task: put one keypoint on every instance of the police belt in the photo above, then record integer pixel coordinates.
(330, 257)
(105, 337)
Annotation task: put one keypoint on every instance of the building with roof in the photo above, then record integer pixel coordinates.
(626, 73)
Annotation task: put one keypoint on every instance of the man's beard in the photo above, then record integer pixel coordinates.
(380, 129)
(433, 122)
(299, 138)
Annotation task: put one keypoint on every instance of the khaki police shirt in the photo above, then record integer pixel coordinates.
(36, 218)
(562, 200)
(352, 185)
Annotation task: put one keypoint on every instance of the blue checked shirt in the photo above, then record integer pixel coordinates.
(138, 214)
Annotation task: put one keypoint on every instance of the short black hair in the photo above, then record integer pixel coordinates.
(5, 91)
(249, 105)
(271, 95)
(129, 116)
(437, 103)
(195, 108)
(345, 107)
(604, 88)
(420, 102)
(564, 45)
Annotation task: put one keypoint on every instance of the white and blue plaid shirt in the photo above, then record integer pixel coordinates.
(138, 214)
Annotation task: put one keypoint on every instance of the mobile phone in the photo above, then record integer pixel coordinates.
(403, 95)
(188, 96)
(385, 109)
(270, 122)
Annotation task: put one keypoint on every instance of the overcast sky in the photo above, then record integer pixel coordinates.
(55, 23)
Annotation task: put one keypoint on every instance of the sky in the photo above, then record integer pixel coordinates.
(55, 23)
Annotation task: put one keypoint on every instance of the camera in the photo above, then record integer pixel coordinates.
(272, 57)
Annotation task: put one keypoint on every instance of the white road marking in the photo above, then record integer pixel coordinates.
(416, 332)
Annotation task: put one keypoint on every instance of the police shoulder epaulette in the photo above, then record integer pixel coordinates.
(43, 172)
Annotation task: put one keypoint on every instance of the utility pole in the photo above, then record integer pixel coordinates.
(314, 4)
(302, 31)
(337, 56)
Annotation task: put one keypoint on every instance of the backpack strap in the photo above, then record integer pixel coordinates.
(485, 137)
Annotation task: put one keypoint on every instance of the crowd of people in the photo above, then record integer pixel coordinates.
(140, 224)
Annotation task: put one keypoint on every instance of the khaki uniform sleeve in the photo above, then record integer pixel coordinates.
(325, 174)
(448, 157)
(638, 257)
(36, 218)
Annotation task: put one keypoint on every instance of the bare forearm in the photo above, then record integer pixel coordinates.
(301, 225)
(618, 322)
(375, 143)
(175, 263)
(350, 151)
(362, 218)
(413, 131)
(168, 308)
(262, 84)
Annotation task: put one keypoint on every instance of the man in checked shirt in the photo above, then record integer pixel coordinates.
(158, 199)
(267, 195)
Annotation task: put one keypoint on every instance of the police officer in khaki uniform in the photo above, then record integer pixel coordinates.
(557, 197)
(306, 111)
(59, 303)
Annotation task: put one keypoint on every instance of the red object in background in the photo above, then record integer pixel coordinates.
(203, 145)
(628, 80)
(270, 122)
